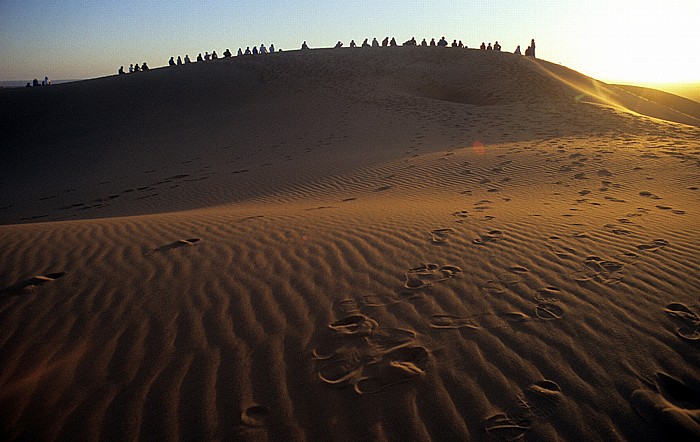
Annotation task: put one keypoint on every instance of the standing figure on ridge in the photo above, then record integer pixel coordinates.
(532, 48)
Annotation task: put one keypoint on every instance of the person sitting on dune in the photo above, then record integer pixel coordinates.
(272, 48)
(454, 43)
(247, 51)
(187, 59)
(393, 42)
(255, 50)
(517, 51)
(121, 70)
(375, 43)
(207, 57)
(131, 68)
(365, 44)
(199, 57)
(263, 49)
(144, 67)
(227, 53)
(171, 62)
(496, 46)
(460, 44)
(353, 44)
(137, 68)
(411, 42)
(304, 46)
(442, 42)
(489, 48)
(240, 52)
(528, 51)
(432, 42)
(339, 45)
(483, 46)
(179, 61)
(214, 56)
(385, 42)
(424, 43)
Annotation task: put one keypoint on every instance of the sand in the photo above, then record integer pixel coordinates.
(396, 244)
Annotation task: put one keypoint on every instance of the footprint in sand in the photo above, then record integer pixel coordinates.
(400, 365)
(490, 236)
(380, 359)
(427, 274)
(598, 269)
(549, 311)
(671, 405)
(255, 416)
(503, 427)
(541, 399)
(688, 321)
(653, 246)
(440, 236)
(477, 321)
(461, 215)
(28, 285)
(175, 245)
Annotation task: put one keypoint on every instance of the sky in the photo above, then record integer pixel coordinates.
(619, 41)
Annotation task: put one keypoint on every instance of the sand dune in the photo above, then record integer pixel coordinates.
(399, 244)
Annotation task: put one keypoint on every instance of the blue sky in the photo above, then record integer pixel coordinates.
(614, 40)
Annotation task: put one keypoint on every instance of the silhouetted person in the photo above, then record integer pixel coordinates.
(365, 44)
(353, 44)
(255, 50)
(489, 47)
(240, 52)
(36, 82)
(517, 51)
(496, 46)
(528, 51)
(171, 62)
(29, 84)
(454, 43)
(247, 51)
(199, 57)
(187, 59)
(424, 43)
(460, 44)
(121, 70)
(227, 53)
(483, 46)
(411, 42)
(144, 67)
(432, 42)
(272, 48)
(339, 45)
(375, 43)
(304, 45)
(263, 49)
(532, 48)
(179, 61)
(131, 68)
(137, 68)
(442, 42)
(392, 42)
(214, 56)
(385, 42)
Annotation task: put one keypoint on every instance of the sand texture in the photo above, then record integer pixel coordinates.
(399, 244)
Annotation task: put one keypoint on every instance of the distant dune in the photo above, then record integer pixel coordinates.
(386, 244)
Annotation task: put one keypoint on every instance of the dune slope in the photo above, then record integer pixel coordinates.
(407, 244)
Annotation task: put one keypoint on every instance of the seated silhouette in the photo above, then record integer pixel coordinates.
(353, 44)
(144, 67)
(179, 60)
(304, 45)
(227, 53)
(121, 70)
(171, 62)
(442, 42)
(365, 44)
(375, 43)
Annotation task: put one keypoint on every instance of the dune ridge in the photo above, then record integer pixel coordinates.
(372, 245)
